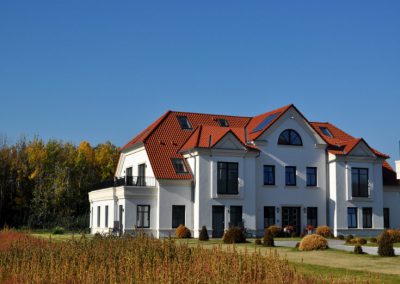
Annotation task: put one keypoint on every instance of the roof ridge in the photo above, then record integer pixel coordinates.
(210, 114)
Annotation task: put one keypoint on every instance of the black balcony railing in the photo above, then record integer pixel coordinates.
(126, 181)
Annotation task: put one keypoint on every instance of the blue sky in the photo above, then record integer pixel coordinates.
(104, 70)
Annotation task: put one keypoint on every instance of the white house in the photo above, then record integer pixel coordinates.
(274, 168)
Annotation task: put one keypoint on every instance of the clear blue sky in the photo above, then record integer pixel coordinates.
(104, 70)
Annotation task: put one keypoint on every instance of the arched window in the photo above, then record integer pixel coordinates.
(290, 137)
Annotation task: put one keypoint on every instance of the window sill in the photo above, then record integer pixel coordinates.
(228, 196)
(270, 185)
(362, 199)
(291, 187)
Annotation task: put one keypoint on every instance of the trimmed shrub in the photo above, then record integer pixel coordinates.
(293, 235)
(359, 241)
(324, 231)
(395, 235)
(234, 235)
(258, 242)
(268, 239)
(182, 232)
(313, 242)
(302, 235)
(340, 237)
(358, 249)
(349, 238)
(204, 234)
(276, 231)
(58, 231)
(385, 244)
(297, 245)
(373, 240)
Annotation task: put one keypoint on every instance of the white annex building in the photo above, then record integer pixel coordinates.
(219, 171)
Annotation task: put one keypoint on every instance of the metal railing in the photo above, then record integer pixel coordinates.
(140, 181)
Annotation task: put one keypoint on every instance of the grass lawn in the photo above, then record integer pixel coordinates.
(396, 245)
(336, 264)
(63, 237)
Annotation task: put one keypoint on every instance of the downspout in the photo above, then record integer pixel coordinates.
(327, 189)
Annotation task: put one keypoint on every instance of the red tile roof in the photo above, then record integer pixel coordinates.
(164, 140)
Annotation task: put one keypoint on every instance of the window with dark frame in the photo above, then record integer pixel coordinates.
(143, 216)
(106, 217)
(290, 137)
(312, 216)
(178, 215)
(223, 122)
(179, 166)
(228, 174)
(269, 216)
(326, 131)
(359, 181)
(98, 216)
(386, 218)
(184, 122)
(352, 217)
(290, 175)
(367, 217)
(269, 175)
(236, 218)
(311, 176)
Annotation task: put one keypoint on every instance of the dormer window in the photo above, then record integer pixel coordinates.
(290, 137)
(223, 122)
(184, 122)
(179, 166)
(326, 132)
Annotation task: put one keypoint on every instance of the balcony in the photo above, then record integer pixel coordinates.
(136, 181)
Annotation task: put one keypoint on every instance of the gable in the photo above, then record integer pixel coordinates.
(229, 142)
(361, 150)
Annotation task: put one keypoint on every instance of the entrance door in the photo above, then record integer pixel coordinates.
(218, 221)
(291, 217)
(141, 175)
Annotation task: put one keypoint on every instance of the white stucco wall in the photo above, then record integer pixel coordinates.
(132, 158)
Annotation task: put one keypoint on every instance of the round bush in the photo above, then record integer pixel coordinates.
(340, 237)
(276, 231)
(324, 231)
(258, 242)
(297, 245)
(385, 244)
(313, 242)
(358, 249)
(58, 231)
(394, 235)
(349, 238)
(182, 232)
(359, 241)
(203, 234)
(268, 238)
(373, 240)
(234, 235)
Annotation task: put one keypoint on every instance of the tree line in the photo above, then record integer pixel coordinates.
(46, 184)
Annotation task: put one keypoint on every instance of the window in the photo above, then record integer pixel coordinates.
(236, 216)
(326, 132)
(223, 122)
(367, 217)
(359, 178)
(269, 216)
(290, 137)
(311, 176)
(184, 122)
(265, 122)
(228, 174)
(352, 217)
(106, 217)
(129, 176)
(290, 176)
(178, 215)
(179, 166)
(143, 216)
(312, 216)
(386, 218)
(98, 216)
(269, 175)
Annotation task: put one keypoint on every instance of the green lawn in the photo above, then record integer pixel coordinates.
(336, 264)
(63, 237)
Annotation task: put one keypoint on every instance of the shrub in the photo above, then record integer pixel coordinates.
(349, 238)
(203, 234)
(313, 242)
(385, 244)
(394, 235)
(358, 249)
(234, 235)
(258, 242)
(373, 240)
(275, 230)
(182, 232)
(293, 234)
(302, 235)
(297, 245)
(340, 237)
(268, 239)
(58, 231)
(359, 241)
(324, 231)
